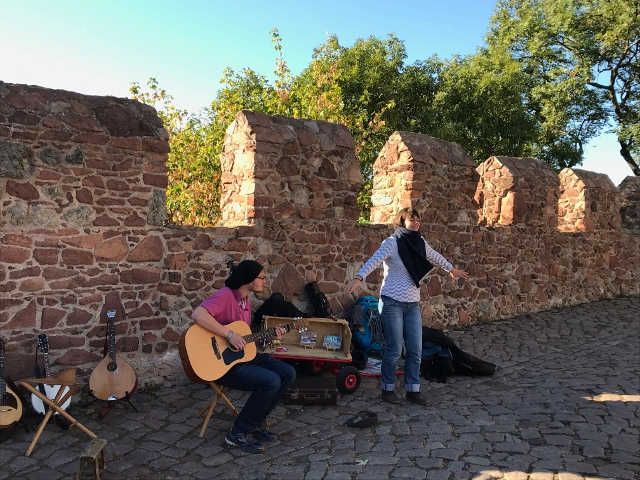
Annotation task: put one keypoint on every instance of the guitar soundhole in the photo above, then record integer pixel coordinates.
(7, 402)
(112, 367)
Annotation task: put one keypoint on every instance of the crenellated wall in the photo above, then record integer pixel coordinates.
(280, 168)
(82, 193)
(416, 170)
(514, 191)
(630, 210)
(588, 201)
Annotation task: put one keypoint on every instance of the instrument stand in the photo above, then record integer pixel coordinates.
(57, 420)
(110, 404)
(67, 378)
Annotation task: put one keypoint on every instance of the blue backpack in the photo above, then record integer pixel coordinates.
(366, 326)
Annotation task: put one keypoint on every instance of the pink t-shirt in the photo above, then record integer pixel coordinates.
(227, 306)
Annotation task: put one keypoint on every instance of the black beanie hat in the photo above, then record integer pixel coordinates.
(245, 272)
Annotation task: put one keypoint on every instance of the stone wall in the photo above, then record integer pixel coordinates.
(278, 168)
(519, 254)
(82, 183)
(515, 191)
(417, 170)
(630, 209)
(588, 201)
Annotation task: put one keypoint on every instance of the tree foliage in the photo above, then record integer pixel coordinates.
(582, 60)
(193, 192)
(478, 104)
(355, 86)
(552, 74)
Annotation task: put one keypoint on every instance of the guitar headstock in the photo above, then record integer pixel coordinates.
(111, 314)
(43, 343)
(300, 324)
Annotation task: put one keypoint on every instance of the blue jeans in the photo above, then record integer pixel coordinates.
(267, 378)
(401, 321)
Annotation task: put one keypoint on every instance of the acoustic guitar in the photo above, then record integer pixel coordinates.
(113, 378)
(210, 356)
(10, 404)
(49, 390)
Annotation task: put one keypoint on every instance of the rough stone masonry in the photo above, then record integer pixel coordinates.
(82, 195)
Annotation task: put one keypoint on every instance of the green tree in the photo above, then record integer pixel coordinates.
(522, 95)
(356, 86)
(478, 104)
(193, 162)
(582, 60)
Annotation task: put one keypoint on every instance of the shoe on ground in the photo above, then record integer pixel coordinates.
(391, 397)
(244, 442)
(416, 397)
(261, 434)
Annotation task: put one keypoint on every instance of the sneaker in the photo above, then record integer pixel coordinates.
(263, 435)
(416, 397)
(390, 396)
(244, 442)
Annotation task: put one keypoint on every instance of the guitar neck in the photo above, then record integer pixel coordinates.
(111, 339)
(3, 385)
(258, 336)
(47, 368)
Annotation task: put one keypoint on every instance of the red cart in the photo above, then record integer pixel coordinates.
(322, 345)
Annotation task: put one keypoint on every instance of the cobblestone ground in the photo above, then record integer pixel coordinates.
(564, 404)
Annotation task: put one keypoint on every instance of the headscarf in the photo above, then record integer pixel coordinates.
(245, 272)
(413, 253)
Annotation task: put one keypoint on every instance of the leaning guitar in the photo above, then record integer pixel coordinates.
(113, 378)
(10, 405)
(210, 356)
(49, 390)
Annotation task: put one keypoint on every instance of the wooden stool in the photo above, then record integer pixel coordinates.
(219, 395)
(66, 378)
(219, 391)
(94, 454)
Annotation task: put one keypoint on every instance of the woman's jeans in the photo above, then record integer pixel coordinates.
(267, 378)
(401, 320)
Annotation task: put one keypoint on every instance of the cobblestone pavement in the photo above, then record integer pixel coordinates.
(563, 405)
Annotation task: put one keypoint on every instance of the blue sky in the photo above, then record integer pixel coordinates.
(100, 47)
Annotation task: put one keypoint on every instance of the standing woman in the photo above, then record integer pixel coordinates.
(407, 258)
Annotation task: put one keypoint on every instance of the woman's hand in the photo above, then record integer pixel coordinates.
(352, 285)
(455, 273)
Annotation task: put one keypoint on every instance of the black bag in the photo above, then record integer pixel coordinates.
(437, 368)
(466, 364)
(319, 301)
(276, 306)
(462, 363)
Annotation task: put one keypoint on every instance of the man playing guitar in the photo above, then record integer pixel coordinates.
(266, 377)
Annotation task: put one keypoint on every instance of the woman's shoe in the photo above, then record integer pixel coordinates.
(391, 397)
(416, 397)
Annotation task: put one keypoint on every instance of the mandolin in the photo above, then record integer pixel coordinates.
(113, 378)
(10, 405)
(49, 390)
(209, 356)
